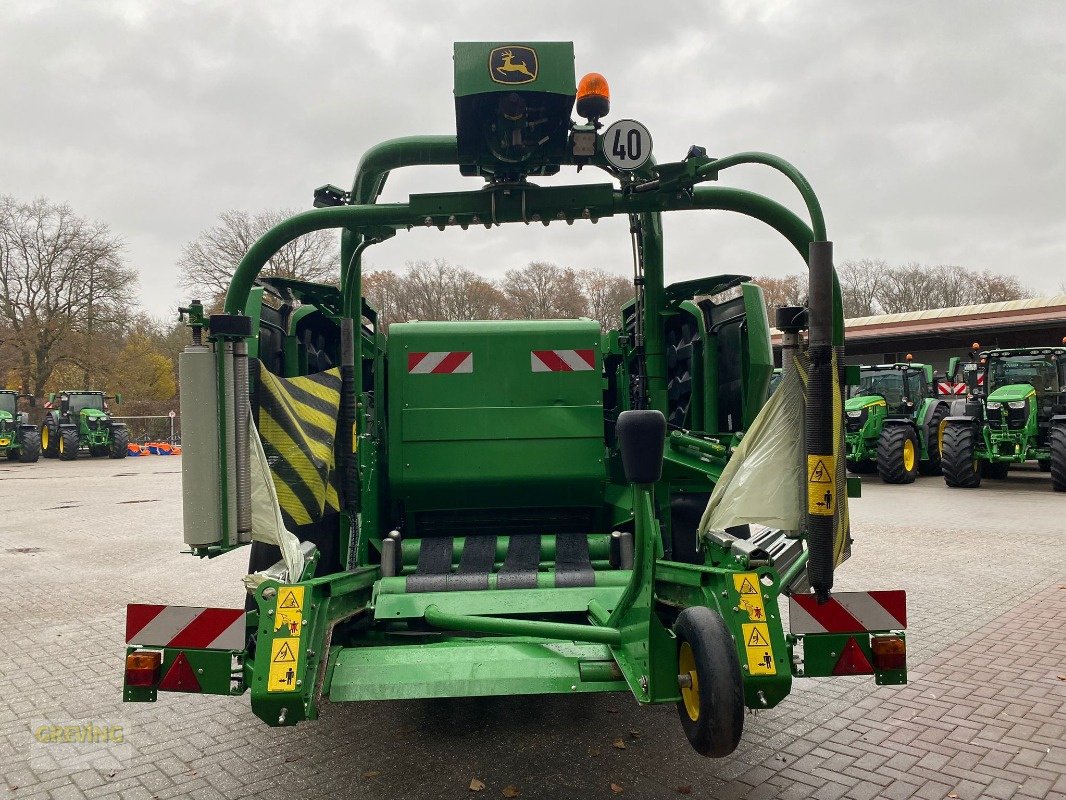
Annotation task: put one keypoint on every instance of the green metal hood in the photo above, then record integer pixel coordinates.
(5, 416)
(89, 413)
(1011, 392)
(863, 401)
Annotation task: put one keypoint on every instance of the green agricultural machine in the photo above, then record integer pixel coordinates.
(892, 419)
(78, 419)
(1015, 411)
(464, 509)
(19, 439)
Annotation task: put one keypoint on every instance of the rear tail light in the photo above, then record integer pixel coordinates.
(142, 667)
(890, 652)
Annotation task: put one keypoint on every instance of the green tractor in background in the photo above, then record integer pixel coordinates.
(891, 422)
(18, 438)
(79, 419)
(1015, 411)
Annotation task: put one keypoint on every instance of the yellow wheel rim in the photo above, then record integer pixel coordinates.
(44, 437)
(908, 455)
(690, 696)
(61, 448)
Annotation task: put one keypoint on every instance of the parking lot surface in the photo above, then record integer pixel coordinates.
(984, 714)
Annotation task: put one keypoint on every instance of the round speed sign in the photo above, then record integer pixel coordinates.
(627, 144)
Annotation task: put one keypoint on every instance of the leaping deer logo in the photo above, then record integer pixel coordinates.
(505, 66)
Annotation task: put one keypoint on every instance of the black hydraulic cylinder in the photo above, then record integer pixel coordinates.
(821, 467)
(345, 439)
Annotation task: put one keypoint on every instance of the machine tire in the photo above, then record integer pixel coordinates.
(49, 439)
(30, 449)
(1057, 442)
(897, 454)
(706, 648)
(933, 465)
(960, 468)
(996, 470)
(69, 444)
(120, 439)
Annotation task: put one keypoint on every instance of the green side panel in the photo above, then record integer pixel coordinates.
(482, 67)
(494, 433)
(760, 355)
(472, 668)
(254, 309)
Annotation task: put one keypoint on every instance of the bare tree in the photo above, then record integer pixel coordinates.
(862, 284)
(544, 291)
(383, 289)
(605, 294)
(62, 286)
(207, 263)
(789, 290)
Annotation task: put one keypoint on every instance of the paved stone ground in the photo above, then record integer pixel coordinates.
(984, 715)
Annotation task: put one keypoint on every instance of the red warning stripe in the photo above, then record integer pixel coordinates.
(562, 360)
(440, 363)
(185, 627)
(849, 612)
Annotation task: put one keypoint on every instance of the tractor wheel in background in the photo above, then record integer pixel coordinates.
(120, 439)
(959, 465)
(69, 442)
(932, 466)
(712, 706)
(897, 454)
(1044, 464)
(864, 467)
(1057, 441)
(49, 439)
(30, 449)
(996, 470)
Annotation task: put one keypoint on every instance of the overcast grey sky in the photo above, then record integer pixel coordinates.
(932, 131)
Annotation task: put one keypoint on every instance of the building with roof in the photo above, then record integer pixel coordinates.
(935, 335)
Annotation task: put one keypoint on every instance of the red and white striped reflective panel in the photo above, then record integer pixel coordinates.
(849, 612)
(185, 626)
(562, 360)
(446, 363)
(947, 387)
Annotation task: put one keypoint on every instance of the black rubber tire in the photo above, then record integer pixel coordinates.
(51, 436)
(720, 690)
(30, 446)
(890, 462)
(932, 465)
(1044, 464)
(120, 439)
(996, 470)
(69, 444)
(1057, 443)
(958, 463)
(866, 467)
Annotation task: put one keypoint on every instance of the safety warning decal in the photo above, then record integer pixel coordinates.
(758, 650)
(288, 616)
(821, 485)
(747, 586)
(284, 658)
(285, 649)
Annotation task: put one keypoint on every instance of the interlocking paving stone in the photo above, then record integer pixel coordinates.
(983, 716)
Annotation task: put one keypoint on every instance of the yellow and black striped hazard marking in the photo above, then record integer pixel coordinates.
(298, 425)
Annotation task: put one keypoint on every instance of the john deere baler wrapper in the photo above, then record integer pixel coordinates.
(520, 507)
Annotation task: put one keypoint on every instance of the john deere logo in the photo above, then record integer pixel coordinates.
(513, 64)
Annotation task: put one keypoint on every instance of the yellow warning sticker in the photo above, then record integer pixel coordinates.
(821, 488)
(757, 647)
(289, 612)
(284, 658)
(747, 586)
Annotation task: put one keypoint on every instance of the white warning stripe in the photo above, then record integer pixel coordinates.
(435, 362)
(562, 360)
(849, 612)
(166, 625)
(871, 614)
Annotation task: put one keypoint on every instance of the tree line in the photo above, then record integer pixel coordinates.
(69, 319)
(873, 286)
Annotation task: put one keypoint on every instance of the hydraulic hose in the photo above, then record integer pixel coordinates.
(346, 439)
(821, 467)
